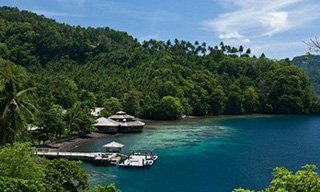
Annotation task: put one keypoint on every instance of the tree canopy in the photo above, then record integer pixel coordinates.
(72, 69)
(305, 180)
(72, 66)
(22, 171)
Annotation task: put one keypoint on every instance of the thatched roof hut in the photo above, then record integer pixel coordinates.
(122, 116)
(119, 123)
(105, 122)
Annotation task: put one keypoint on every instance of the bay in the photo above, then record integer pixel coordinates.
(210, 154)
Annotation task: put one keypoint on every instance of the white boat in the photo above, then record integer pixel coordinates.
(149, 162)
(115, 160)
(155, 157)
(137, 160)
(148, 154)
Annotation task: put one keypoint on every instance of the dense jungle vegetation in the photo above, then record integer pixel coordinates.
(56, 72)
(311, 66)
(52, 74)
(21, 171)
(305, 180)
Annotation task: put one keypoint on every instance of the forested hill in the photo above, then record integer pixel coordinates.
(311, 65)
(69, 65)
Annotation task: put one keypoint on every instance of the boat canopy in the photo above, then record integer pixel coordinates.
(113, 144)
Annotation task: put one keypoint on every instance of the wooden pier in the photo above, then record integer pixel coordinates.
(95, 157)
(112, 156)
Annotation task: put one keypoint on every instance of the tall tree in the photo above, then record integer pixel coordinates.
(240, 50)
(132, 102)
(15, 108)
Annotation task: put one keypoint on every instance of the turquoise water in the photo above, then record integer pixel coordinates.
(213, 154)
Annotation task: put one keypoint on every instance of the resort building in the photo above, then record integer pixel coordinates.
(119, 123)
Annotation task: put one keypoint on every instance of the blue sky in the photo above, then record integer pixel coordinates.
(275, 27)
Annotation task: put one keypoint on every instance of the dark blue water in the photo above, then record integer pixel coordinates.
(213, 154)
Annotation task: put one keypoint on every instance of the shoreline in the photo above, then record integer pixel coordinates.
(69, 145)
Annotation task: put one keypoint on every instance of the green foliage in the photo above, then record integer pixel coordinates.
(305, 180)
(289, 90)
(64, 175)
(17, 161)
(132, 101)
(242, 190)
(107, 188)
(170, 108)
(74, 69)
(102, 67)
(78, 120)
(20, 185)
(251, 100)
(234, 101)
(111, 106)
(310, 65)
(217, 101)
(20, 170)
(56, 122)
(51, 123)
(15, 108)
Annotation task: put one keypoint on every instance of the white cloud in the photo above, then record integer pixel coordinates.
(56, 14)
(252, 18)
(231, 35)
(276, 28)
(246, 40)
(275, 21)
(277, 49)
(72, 3)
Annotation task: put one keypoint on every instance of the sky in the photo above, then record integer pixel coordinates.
(277, 28)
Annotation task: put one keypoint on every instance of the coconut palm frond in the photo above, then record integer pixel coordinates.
(3, 104)
(15, 108)
(23, 110)
(25, 91)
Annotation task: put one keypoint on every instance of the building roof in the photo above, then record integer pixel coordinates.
(107, 122)
(131, 123)
(113, 144)
(121, 115)
(102, 121)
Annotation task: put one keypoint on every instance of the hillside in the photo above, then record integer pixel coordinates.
(69, 65)
(311, 65)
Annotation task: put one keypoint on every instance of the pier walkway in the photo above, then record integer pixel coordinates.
(112, 156)
(94, 157)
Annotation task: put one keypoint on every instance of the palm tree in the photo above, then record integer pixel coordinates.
(240, 50)
(15, 110)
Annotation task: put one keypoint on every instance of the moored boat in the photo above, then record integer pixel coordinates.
(148, 154)
(139, 159)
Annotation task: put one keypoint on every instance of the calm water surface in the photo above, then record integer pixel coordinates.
(215, 155)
